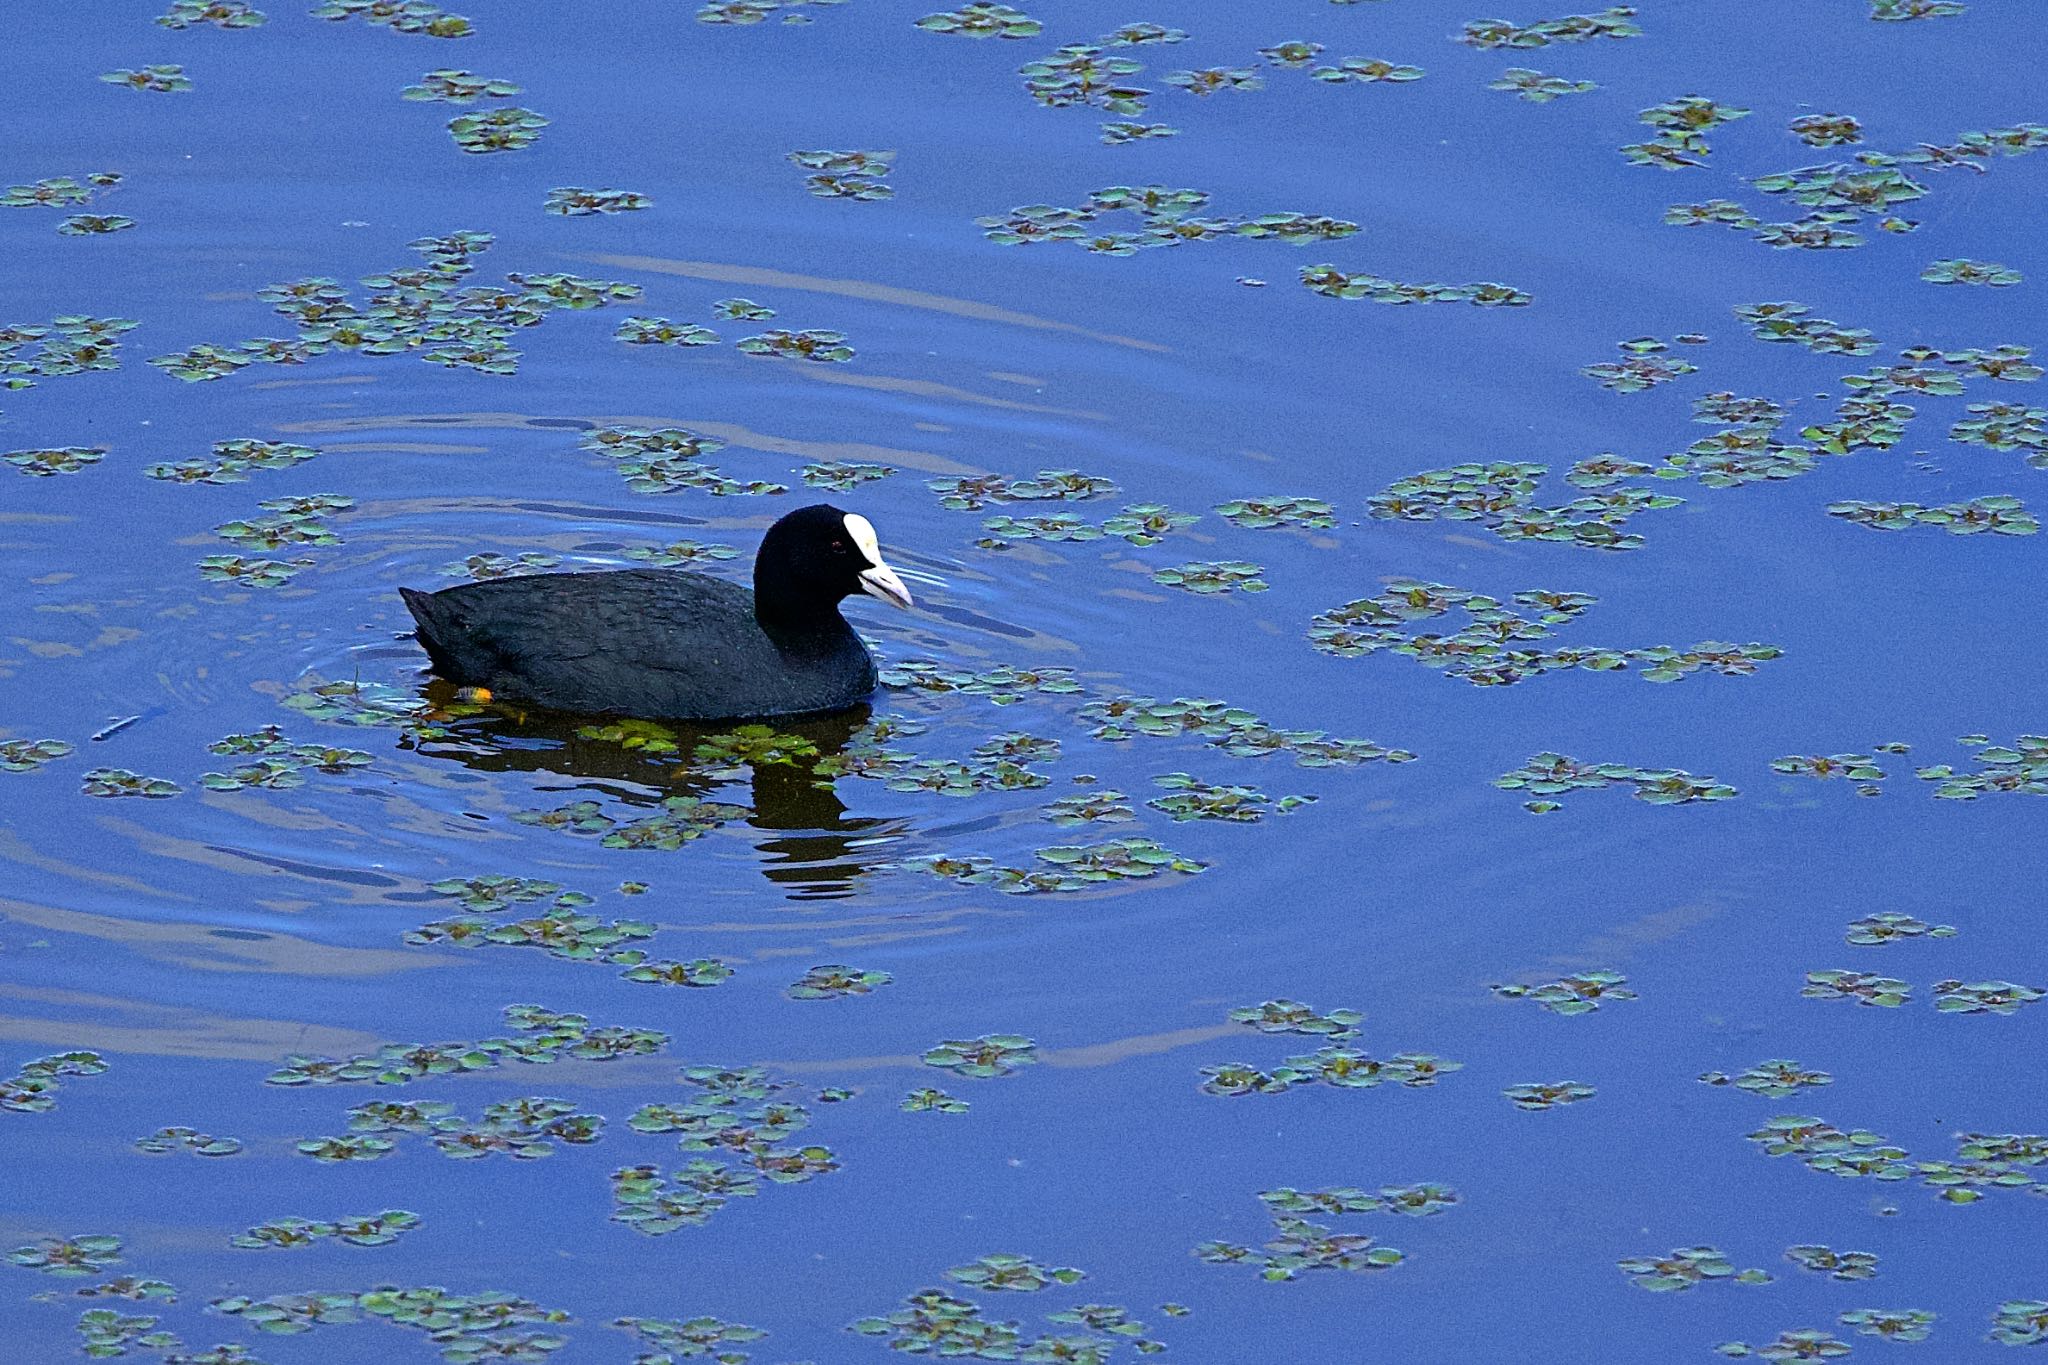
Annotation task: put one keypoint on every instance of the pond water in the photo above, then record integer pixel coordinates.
(1194, 914)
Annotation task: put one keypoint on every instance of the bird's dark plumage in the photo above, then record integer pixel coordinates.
(662, 644)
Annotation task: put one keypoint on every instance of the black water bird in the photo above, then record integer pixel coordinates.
(662, 644)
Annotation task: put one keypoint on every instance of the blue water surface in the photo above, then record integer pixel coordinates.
(196, 942)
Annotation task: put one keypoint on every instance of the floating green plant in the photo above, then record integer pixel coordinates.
(1772, 1079)
(121, 782)
(1829, 1149)
(1804, 1344)
(992, 1054)
(33, 1087)
(69, 1257)
(165, 1140)
(1892, 927)
(1003, 684)
(1294, 55)
(1684, 1268)
(1547, 775)
(1578, 993)
(834, 982)
(365, 1230)
(736, 12)
(104, 1333)
(681, 554)
(136, 1288)
(94, 224)
(1291, 1016)
(26, 755)
(1826, 130)
(662, 332)
(1331, 282)
(1085, 74)
(488, 895)
(251, 573)
(505, 129)
(1208, 577)
(682, 819)
(560, 933)
(1983, 997)
(937, 1323)
(2001, 514)
(574, 201)
(704, 1336)
(2021, 768)
(454, 86)
(228, 14)
(842, 476)
(2020, 1322)
(1964, 271)
(1903, 1324)
(1119, 132)
(1344, 1068)
(703, 971)
(1235, 731)
(55, 192)
(1412, 1200)
(1086, 808)
(486, 567)
(743, 310)
(1299, 1246)
(1262, 513)
(1712, 212)
(732, 753)
(932, 1101)
(43, 464)
(1193, 799)
(1209, 80)
(1861, 769)
(1847, 1266)
(1864, 988)
(1616, 22)
(1003, 531)
(524, 1129)
(1366, 70)
(1642, 366)
(1501, 496)
(1548, 1094)
(550, 1036)
(865, 188)
(231, 462)
(1538, 88)
(162, 79)
(1146, 523)
(1069, 867)
(1049, 485)
(1002, 1271)
(1788, 322)
(400, 16)
(1489, 650)
(73, 344)
(806, 345)
(982, 19)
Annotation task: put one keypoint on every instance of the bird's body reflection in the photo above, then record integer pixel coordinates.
(814, 849)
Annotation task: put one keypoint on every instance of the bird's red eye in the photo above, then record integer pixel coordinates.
(838, 547)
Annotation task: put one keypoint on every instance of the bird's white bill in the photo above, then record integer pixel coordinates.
(881, 581)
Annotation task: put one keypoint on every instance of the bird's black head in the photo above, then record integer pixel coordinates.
(815, 557)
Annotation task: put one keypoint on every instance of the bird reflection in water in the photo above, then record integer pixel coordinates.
(813, 850)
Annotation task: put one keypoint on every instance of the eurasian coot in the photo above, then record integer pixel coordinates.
(661, 644)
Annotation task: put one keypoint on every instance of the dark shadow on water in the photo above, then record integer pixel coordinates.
(814, 849)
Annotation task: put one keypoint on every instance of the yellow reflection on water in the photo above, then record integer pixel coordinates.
(861, 289)
(730, 432)
(105, 1023)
